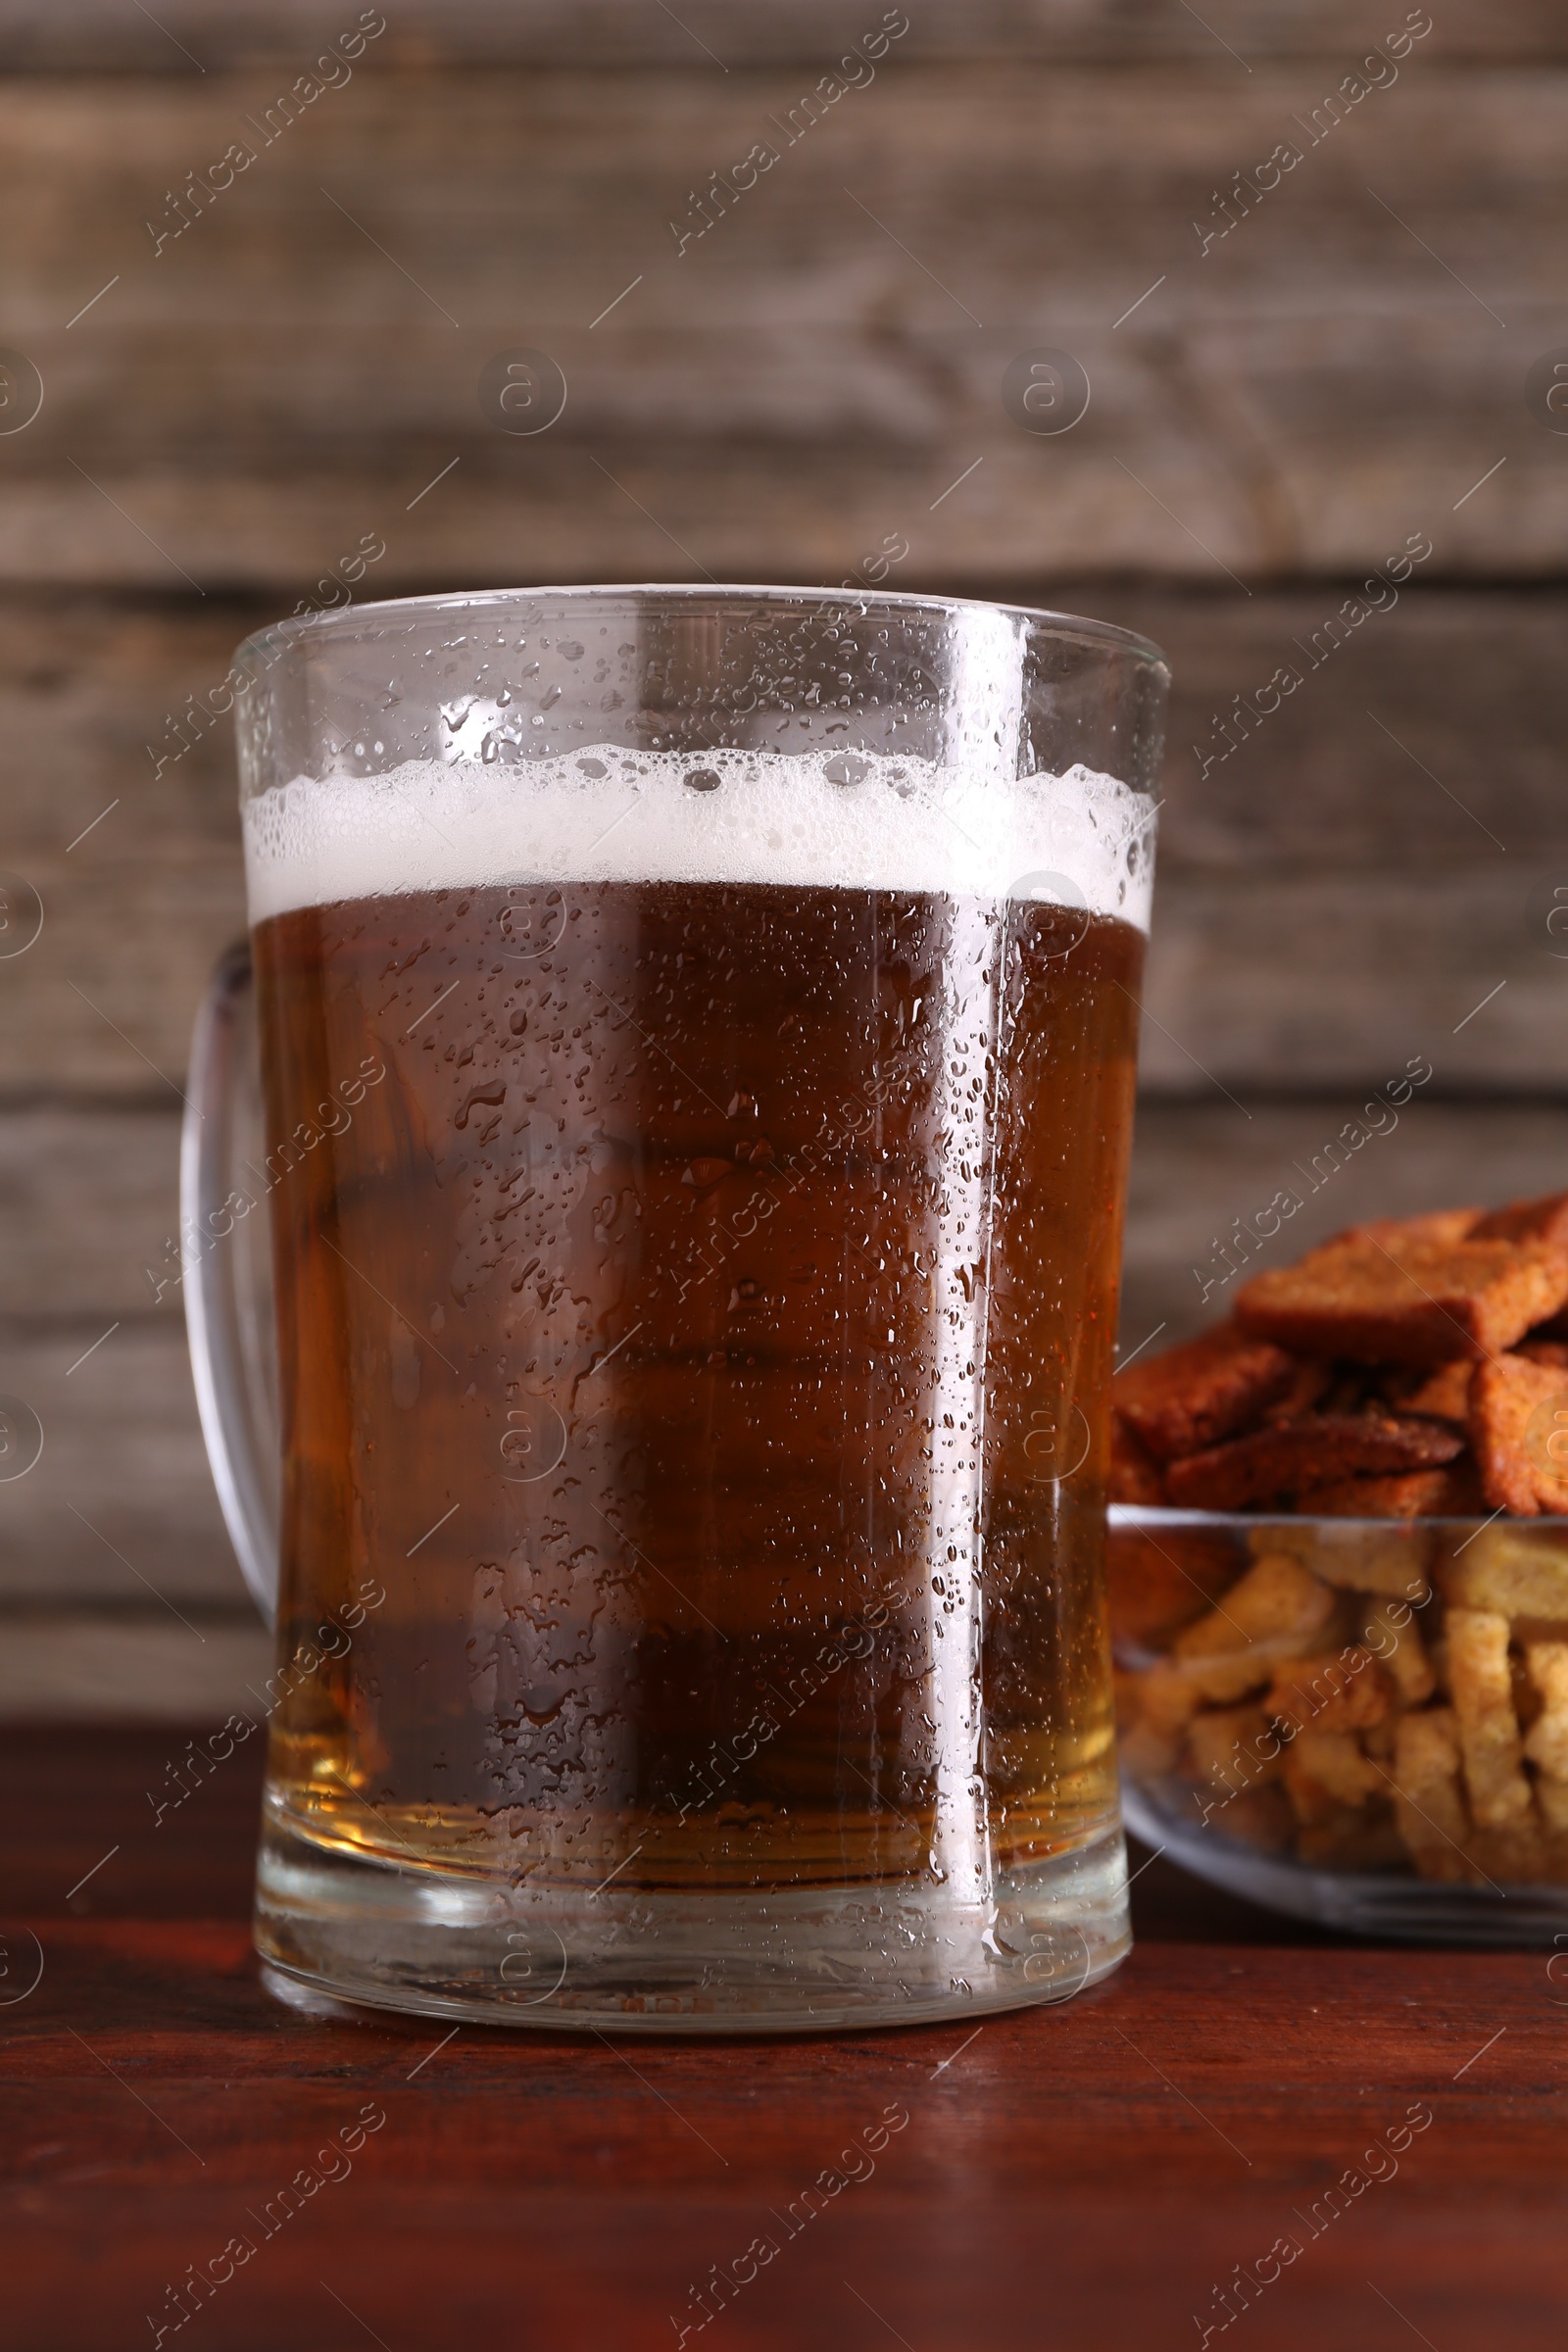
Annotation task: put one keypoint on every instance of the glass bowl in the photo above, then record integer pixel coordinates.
(1359, 1721)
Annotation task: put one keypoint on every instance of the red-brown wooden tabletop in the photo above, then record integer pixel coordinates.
(1068, 2179)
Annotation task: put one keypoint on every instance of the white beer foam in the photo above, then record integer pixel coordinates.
(615, 816)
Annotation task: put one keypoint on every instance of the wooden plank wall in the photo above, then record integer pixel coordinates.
(1292, 382)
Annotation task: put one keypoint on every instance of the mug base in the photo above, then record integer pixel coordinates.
(338, 1927)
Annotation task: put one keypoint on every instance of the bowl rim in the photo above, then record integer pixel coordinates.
(1124, 1517)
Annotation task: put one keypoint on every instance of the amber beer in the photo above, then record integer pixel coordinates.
(703, 1333)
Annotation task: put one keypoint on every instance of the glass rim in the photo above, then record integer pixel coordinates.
(265, 645)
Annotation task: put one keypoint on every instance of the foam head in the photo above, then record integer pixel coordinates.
(851, 820)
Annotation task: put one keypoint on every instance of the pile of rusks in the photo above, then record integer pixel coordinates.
(1365, 1695)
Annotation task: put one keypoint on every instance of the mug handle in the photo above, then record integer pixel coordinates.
(225, 1257)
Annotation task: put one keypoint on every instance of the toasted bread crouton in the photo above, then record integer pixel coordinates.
(1277, 1601)
(1546, 1742)
(1429, 1803)
(1462, 1497)
(1276, 1612)
(1170, 1698)
(1134, 1472)
(1308, 1389)
(1342, 1691)
(1519, 1433)
(1488, 1728)
(1520, 1572)
(1390, 1560)
(1419, 1302)
(1395, 1640)
(1441, 1396)
(1543, 1220)
(1231, 1674)
(1198, 1393)
(1452, 1493)
(1314, 1451)
(1230, 1749)
(1325, 1770)
(1160, 1583)
(1442, 1226)
(1147, 1751)
(1516, 1855)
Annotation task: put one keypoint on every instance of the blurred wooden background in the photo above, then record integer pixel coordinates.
(226, 412)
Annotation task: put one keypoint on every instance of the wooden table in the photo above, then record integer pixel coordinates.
(1069, 2178)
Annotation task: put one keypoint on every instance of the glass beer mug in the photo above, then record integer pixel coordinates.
(651, 1296)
